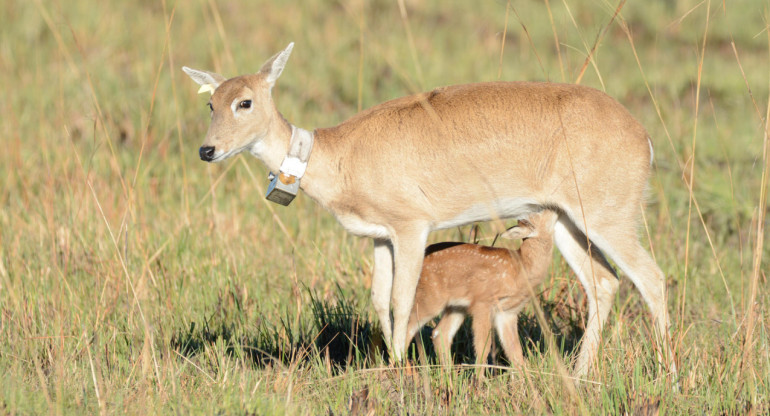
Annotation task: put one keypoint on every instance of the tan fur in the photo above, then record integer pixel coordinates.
(491, 284)
(461, 154)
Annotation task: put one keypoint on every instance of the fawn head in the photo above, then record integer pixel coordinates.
(242, 109)
(539, 224)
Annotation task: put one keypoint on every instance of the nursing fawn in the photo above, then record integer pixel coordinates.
(491, 284)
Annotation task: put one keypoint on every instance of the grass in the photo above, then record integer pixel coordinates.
(136, 279)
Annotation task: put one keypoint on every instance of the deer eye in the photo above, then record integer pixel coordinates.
(211, 107)
(244, 104)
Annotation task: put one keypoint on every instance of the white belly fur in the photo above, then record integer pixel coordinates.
(504, 208)
(356, 226)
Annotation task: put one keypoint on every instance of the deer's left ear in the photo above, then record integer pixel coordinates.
(204, 78)
(274, 66)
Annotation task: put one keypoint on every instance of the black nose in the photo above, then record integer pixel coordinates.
(206, 153)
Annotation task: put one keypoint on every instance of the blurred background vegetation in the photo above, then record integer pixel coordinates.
(136, 279)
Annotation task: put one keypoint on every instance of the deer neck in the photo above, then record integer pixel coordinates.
(279, 144)
(536, 257)
(274, 146)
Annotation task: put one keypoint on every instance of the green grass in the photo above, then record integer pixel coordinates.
(136, 279)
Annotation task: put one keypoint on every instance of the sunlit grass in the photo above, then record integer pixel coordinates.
(160, 284)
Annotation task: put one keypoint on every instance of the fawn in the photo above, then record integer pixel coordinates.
(491, 284)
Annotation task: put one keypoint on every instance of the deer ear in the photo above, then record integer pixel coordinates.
(204, 78)
(274, 66)
(519, 232)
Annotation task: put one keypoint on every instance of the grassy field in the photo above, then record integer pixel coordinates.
(136, 279)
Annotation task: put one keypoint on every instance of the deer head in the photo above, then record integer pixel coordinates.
(243, 115)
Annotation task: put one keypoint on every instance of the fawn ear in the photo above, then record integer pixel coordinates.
(204, 78)
(274, 66)
(520, 231)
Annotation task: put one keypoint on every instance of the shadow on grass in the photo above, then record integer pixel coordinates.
(334, 331)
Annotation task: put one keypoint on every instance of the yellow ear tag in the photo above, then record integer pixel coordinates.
(207, 88)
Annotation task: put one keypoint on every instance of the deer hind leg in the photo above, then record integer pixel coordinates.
(444, 334)
(599, 282)
(624, 248)
(482, 331)
(408, 250)
(424, 309)
(382, 283)
(507, 326)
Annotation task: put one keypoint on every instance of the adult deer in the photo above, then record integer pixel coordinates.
(457, 155)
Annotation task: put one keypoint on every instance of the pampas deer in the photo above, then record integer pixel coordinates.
(457, 155)
(491, 284)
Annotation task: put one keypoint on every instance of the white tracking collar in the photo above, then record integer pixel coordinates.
(284, 187)
(300, 146)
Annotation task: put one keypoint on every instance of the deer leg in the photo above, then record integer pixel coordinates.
(624, 248)
(444, 334)
(507, 326)
(408, 253)
(599, 282)
(382, 283)
(422, 311)
(482, 331)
